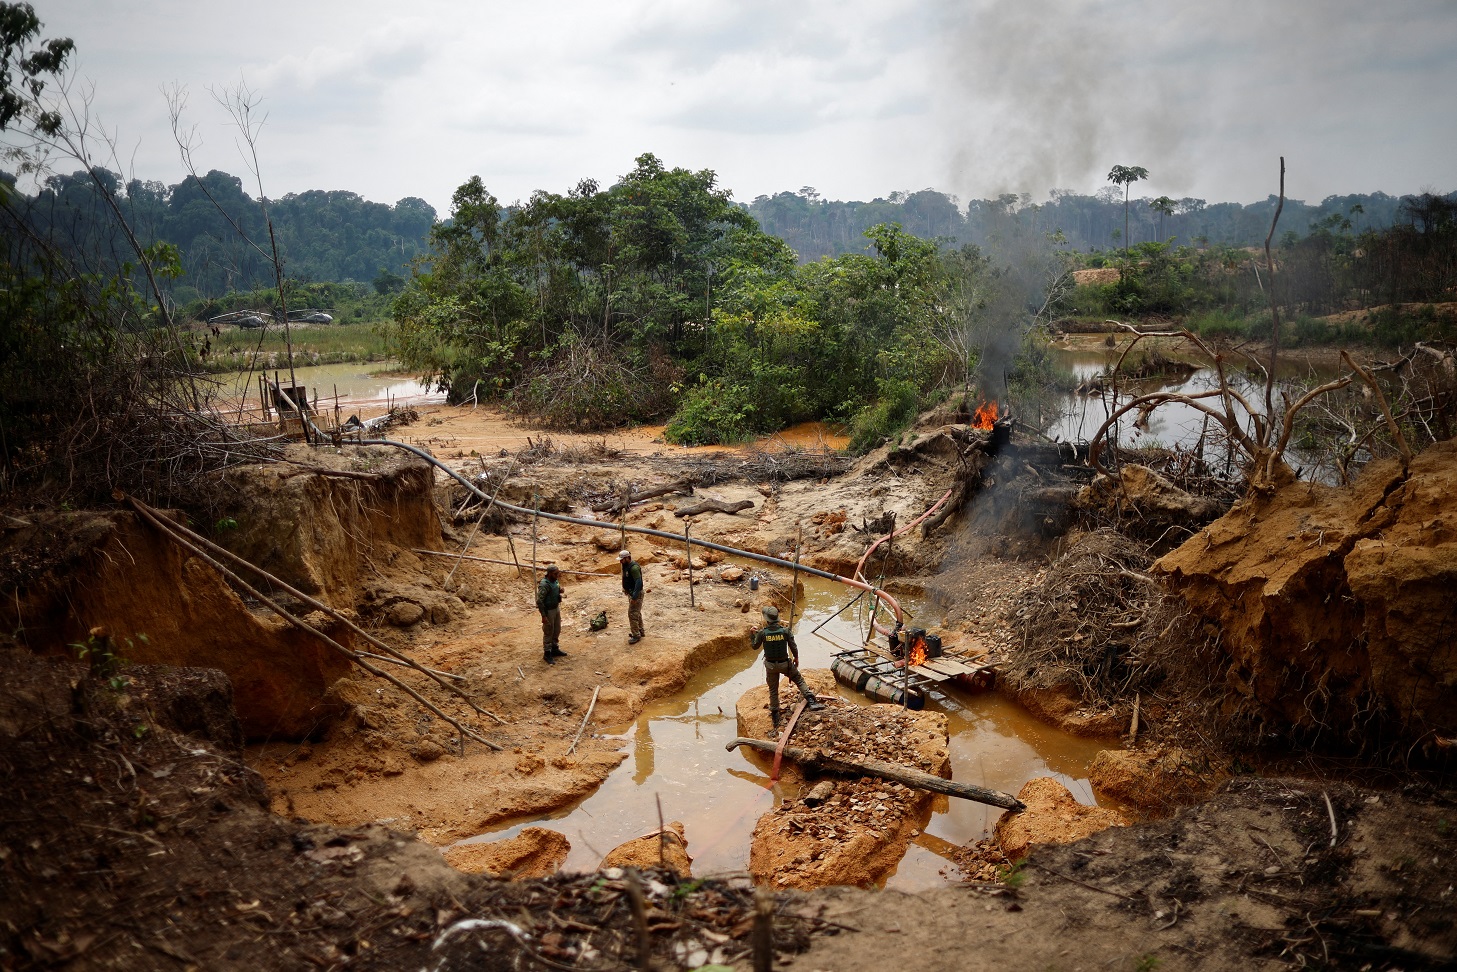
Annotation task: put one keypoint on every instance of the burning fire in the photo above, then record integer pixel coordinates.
(918, 652)
(986, 416)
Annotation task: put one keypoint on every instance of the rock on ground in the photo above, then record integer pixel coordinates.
(1052, 817)
(534, 853)
(1157, 780)
(667, 848)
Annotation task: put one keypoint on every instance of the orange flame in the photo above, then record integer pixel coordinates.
(918, 652)
(986, 416)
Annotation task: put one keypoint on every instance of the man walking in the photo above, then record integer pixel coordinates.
(632, 587)
(781, 657)
(549, 603)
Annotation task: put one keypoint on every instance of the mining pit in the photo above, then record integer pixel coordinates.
(308, 805)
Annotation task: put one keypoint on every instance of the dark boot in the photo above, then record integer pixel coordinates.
(548, 657)
(774, 717)
(557, 652)
(813, 704)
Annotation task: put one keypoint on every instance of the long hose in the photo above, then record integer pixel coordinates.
(860, 567)
(890, 602)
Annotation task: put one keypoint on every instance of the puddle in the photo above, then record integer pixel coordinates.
(676, 754)
(359, 384)
(1171, 424)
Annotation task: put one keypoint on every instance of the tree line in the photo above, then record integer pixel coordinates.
(815, 227)
(324, 236)
(658, 296)
(1399, 274)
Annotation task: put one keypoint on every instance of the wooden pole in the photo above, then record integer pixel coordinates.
(794, 577)
(761, 936)
(511, 545)
(535, 518)
(688, 549)
(482, 518)
(622, 521)
(585, 719)
(816, 761)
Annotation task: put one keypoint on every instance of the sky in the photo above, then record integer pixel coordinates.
(856, 98)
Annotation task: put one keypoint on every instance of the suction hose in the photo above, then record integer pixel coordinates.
(890, 603)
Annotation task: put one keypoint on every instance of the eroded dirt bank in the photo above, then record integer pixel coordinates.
(1335, 606)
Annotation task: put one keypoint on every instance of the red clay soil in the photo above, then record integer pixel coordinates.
(1335, 606)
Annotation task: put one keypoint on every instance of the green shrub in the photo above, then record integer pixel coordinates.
(887, 417)
(713, 412)
(1219, 324)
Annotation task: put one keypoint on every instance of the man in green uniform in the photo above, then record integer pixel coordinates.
(549, 603)
(632, 587)
(781, 657)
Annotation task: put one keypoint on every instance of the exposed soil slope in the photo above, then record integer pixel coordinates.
(1335, 605)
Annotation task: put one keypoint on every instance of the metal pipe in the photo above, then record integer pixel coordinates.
(890, 602)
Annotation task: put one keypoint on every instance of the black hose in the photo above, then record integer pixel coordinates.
(879, 594)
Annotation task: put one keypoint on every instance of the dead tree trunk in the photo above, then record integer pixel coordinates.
(713, 506)
(614, 505)
(966, 483)
(817, 762)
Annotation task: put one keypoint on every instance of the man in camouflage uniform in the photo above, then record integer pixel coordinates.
(548, 602)
(632, 587)
(781, 657)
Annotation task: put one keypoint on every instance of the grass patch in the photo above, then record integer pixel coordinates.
(313, 344)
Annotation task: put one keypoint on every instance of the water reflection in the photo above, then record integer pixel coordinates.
(357, 384)
(677, 756)
(1174, 424)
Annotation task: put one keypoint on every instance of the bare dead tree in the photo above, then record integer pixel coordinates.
(1261, 436)
(242, 106)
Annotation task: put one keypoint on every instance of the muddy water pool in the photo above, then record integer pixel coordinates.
(359, 384)
(676, 755)
(1175, 424)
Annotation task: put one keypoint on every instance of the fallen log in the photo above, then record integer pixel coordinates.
(713, 506)
(614, 505)
(966, 483)
(817, 762)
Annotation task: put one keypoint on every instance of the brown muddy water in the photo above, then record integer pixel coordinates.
(359, 384)
(676, 754)
(1174, 424)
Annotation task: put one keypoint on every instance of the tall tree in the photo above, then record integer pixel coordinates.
(1125, 176)
(1164, 206)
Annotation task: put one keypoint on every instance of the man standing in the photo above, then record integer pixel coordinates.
(632, 587)
(549, 603)
(781, 657)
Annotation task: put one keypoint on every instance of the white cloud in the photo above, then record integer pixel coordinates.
(858, 98)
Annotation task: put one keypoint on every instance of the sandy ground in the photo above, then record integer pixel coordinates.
(459, 432)
(386, 761)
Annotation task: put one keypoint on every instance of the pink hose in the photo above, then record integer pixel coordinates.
(860, 567)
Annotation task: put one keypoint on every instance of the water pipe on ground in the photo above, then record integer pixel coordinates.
(890, 602)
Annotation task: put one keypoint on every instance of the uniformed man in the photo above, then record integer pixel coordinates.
(632, 587)
(549, 603)
(781, 657)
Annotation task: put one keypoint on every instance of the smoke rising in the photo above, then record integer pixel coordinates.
(1040, 94)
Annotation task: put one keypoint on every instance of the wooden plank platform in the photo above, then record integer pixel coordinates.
(948, 666)
(926, 672)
